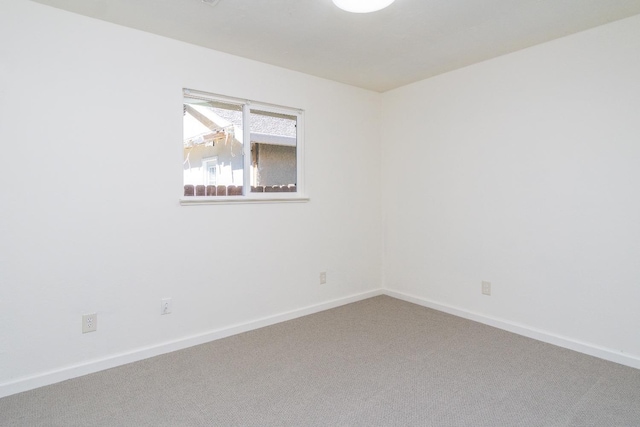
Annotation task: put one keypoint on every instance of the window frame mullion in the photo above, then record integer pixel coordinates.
(246, 148)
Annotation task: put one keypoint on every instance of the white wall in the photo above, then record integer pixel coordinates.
(91, 228)
(523, 171)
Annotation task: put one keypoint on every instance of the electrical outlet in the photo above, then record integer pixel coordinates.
(89, 323)
(323, 277)
(486, 288)
(165, 306)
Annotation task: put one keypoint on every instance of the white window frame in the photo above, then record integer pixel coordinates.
(248, 196)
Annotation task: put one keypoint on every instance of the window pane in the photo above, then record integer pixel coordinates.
(212, 146)
(273, 152)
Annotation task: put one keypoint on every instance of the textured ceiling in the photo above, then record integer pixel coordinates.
(409, 41)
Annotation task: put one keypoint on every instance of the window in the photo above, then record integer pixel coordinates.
(210, 171)
(238, 150)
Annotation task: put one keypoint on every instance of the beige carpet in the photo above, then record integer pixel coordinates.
(378, 362)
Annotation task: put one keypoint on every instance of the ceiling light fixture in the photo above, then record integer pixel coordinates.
(362, 6)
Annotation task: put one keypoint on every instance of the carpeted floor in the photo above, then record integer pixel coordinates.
(378, 362)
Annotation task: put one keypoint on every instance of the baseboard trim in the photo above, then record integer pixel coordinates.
(524, 330)
(47, 378)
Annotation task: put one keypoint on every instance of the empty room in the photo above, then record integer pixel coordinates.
(320, 213)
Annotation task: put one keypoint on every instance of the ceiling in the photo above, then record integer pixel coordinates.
(409, 41)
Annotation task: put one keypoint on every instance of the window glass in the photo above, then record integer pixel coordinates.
(213, 148)
(234, 147)
(273, 152)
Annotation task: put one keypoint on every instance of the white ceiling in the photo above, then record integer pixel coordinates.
(409, 41)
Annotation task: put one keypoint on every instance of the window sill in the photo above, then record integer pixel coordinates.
(233, 200)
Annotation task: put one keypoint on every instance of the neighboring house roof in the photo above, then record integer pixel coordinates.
(272, 129)
(265, 128)
(201, 125)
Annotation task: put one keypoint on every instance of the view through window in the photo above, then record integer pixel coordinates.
(236, 148)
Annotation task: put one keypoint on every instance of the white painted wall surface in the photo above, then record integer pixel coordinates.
(523, 171)
(92, 228)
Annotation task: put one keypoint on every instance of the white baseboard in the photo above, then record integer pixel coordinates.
(89, 367)
(46, 378)
(537, 334)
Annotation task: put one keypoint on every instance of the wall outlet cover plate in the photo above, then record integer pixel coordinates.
(89, 322)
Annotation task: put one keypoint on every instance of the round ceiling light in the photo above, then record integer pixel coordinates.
(362, 6)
